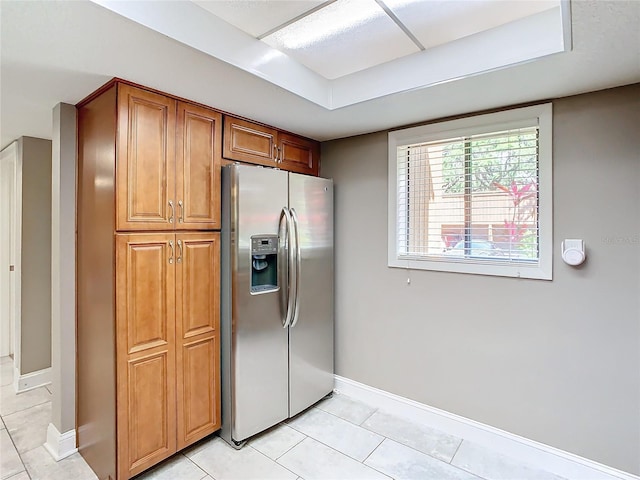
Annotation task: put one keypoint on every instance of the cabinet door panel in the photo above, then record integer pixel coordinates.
(146, 160)
(198, 323)
(198, 284)
(147, 274)
(145, 350)
(198, 157)
(151, 411)
(249, 142)
(199, 414)
(298, 154)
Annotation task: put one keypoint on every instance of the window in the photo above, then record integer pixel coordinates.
(473, 195)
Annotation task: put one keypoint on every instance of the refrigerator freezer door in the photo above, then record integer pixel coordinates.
(259, 362)
(311, 338)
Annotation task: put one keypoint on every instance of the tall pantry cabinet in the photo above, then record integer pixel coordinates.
(148, 277)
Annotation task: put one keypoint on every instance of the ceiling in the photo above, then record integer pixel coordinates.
(55, 52)
(336, 38)
(342, 52)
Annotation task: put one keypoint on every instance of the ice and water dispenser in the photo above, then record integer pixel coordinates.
(264, 263)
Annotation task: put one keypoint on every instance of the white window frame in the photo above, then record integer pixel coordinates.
(540, 115)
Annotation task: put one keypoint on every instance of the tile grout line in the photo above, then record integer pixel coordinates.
(289, 449)
(365, 420)
(346, 419)
(371, 466)
(462, 468)
(456, 452)
(26, 470)
(11, 437)
(413, 448)
(427, 454)
(206, 474)
(24, 409)
(279, 425)
(470, 473)
(19, 473)
(422, 453)
(13, 442)
(338, 395)
(338, 451)
(17, 452)
(345, 455)
(274, 461)
(377, 446)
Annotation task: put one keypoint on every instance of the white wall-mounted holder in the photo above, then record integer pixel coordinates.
(573, 251)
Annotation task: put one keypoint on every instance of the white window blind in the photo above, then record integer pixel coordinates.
(469, 199)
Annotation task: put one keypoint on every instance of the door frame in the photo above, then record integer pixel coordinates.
(10, 319)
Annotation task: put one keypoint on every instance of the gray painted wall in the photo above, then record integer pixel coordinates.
(555, 361)
(35, 340)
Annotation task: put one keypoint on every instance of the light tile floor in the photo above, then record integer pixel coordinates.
(339, 438)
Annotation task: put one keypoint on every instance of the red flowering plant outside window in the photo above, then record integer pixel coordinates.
(523, 214)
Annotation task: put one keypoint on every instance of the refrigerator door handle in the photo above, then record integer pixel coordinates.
(296, 308)
(288, 291)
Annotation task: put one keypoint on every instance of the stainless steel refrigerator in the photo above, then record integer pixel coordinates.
(277, 297)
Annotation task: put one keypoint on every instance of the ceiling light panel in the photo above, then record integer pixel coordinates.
(342, 38)
(257, 17)
(436, 22)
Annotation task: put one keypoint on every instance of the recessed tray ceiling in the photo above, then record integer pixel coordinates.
(342, 38)
(257, 17)
(343, 52)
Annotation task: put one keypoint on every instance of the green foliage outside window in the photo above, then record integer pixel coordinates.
(500, 160)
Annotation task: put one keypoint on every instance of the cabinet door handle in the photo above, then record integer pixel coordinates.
(172, 251)
(179, 259)
(181, 212)
(173, 212)
(275, 153)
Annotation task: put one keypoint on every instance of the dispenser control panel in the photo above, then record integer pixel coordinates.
(264, 263)
(267, 244)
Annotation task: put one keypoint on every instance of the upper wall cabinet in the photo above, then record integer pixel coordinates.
(254, 143)
(168, 166)
(198, 154)
(298, 154)
(146, 160)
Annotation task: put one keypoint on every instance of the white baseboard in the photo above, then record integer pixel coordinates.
(534, 453)
(29, 381)
(60, 445)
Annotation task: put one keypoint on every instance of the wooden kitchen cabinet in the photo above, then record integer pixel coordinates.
(298, 154)
(168, 163)
(197, 336)
(145, 159)
(250, 142)
(148, 292)
(145, 350)
(198, 155)
(167, 345)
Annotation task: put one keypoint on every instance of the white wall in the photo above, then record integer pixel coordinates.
(7, 220)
